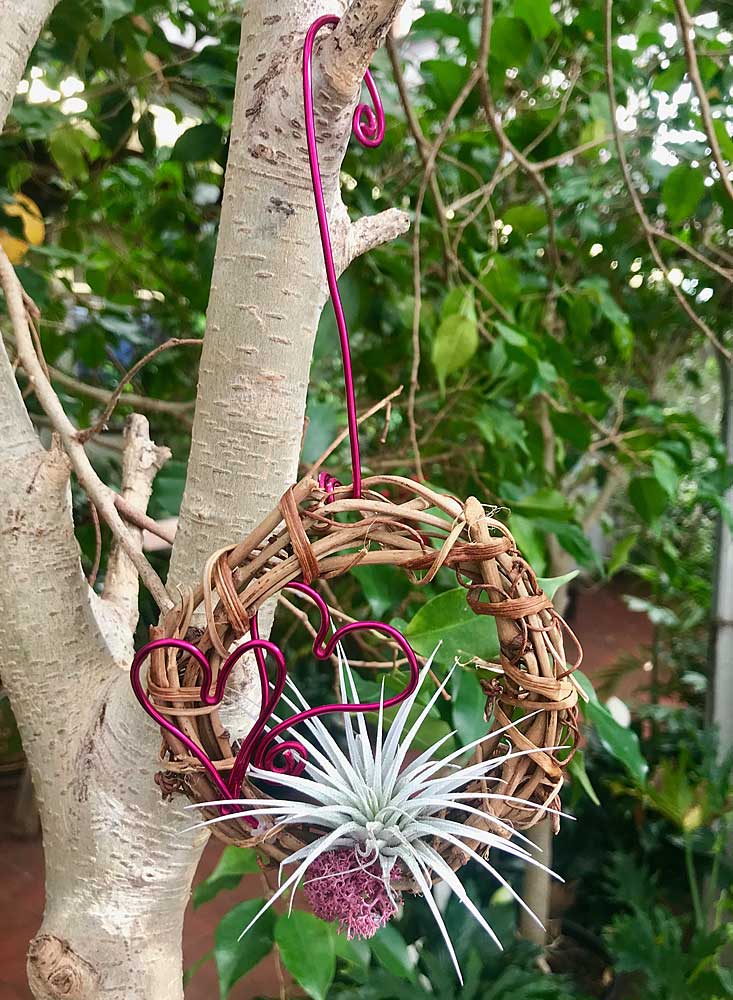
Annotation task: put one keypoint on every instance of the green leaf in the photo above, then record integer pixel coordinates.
(511, 42)
(233, 864)
(502, 280)
(620, 742)
(67, 146)
(572, 428)
(355, 951)
(577, 771)
(500, 427)
(538, 17)
(113, 10)
(308, 951)
(448, 617)
(551, 584)
(682, 192)
(525, 219)
(444, 25)
(191, 971)
(146, 133)
(665, 472)
(234, 958)
(384, 588)
(623, 338)
(467, 706)
(529, 540)
(456, 342)
(724, 140)
(621, 552)
(649, 498)
(670, 78)
(658, 615)
(200, 142)
(390, 950)
(459, 301)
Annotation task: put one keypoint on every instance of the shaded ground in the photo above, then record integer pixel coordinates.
(607, 631)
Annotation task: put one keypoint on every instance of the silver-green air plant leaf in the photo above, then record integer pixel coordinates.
(382, 816)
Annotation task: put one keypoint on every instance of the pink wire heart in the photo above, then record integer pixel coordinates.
(259, 746)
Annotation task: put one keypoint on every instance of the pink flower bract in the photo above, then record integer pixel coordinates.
(340, 887)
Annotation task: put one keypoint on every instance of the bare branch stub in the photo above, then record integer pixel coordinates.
(141, 461)
(347, 52)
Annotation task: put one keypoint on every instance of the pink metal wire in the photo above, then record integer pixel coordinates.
(260, 747)
(368, 127)
(265, 748)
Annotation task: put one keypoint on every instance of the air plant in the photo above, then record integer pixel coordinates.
(382, 817)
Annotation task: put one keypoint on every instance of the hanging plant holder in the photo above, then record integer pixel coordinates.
(401, 833)
(396, 522)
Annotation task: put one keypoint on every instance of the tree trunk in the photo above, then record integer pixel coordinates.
(20, 23)
(118, 863)
(722, 630)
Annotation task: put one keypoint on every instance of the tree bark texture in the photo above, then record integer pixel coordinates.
(118, 862)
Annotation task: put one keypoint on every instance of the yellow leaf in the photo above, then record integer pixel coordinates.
(34, 229)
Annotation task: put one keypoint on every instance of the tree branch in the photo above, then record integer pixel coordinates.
(346, 53)
(114, 397)
(687, 30)
(371, 231)
(646, 225)
(141, 461)
(22, 21)
(505, 143)
(102, 497)
(143, 404)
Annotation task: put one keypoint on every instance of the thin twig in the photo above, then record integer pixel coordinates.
(92, 578)
(129, 375)
(386, 402)
(100, 494)
(687, 29)
(505, 143)
(646, 225)
(429, 155)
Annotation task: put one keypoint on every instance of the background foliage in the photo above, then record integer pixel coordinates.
(552, 317)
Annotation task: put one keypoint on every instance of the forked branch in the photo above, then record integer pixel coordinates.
(101, 495)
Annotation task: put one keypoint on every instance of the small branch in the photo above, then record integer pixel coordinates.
(140, 403)
(146, 523)
(646, 225)
(141, 461)
(129, 375)
(429, 154)
(373, 231)
(725, 273)
(386, 402)
(505, 143)
(100, 495)
(687, 29)
(348, 50)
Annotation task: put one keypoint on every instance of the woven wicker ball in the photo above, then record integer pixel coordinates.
(314, 535)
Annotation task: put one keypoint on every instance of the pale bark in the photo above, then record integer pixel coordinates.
(119, 864)
(268, 285)
(118, 868)
(20, 25)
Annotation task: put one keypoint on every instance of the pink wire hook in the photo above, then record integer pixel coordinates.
(260, 746)
(368, 127)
